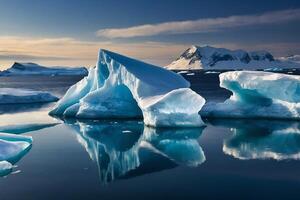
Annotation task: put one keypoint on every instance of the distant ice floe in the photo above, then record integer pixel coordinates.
(23, 128)
(212, 72)
(182, 72)
(275, 69)
(22, 96)
(257, 95)
(190, 74)
(127, 148)
(122, 87)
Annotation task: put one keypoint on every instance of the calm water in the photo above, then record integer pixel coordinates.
(240, 159)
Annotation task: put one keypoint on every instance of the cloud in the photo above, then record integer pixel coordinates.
(71, 51)
(201, 25)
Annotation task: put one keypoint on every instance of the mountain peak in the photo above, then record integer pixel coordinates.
(199, 57)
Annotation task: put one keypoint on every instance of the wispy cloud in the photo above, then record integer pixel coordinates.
(71, 51)
(201, 25)
(16, 56)
(74, 52)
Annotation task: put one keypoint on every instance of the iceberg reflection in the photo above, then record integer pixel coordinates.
(24, 128)
(125, 149)
(262, 139)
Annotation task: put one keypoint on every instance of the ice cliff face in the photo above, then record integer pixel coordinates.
(258, 94)
(122, 87)
(208, 57)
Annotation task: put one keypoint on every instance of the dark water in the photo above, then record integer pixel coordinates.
(237, 159)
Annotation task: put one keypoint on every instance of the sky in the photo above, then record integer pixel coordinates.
(70, 32)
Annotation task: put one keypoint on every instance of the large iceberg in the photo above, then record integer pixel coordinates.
(21, 96)
(126, 148)
(258, 95)
(122, 87)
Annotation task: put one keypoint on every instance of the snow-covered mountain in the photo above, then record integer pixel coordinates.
(208, 57)
(35, 69)
(292, 58)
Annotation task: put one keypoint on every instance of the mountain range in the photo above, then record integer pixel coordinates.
(207, 57)
(18, 69)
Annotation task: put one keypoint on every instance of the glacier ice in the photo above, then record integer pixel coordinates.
(22, 96)
(12, 149)
(262, 139)
(124, 147)
(257, 95)
(122, 87)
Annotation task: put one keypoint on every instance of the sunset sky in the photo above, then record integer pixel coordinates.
(70, 32)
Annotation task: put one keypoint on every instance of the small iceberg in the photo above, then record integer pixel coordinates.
(190, 74)
(182, 72)
(122, 87)
(257, 95)
(23, 96)
(212, 72)
(12, 149)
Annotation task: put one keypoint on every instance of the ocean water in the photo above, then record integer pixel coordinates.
(114, 159)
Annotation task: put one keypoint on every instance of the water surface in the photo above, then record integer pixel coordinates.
(113, 159)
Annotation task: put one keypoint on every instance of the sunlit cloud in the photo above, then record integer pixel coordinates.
(201, 25)
(70, 51)
(74, 52)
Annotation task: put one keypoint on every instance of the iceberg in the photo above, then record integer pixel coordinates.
(126, 148)
(257, 95)
(122, 87)
(12, 149)
(22, 96)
